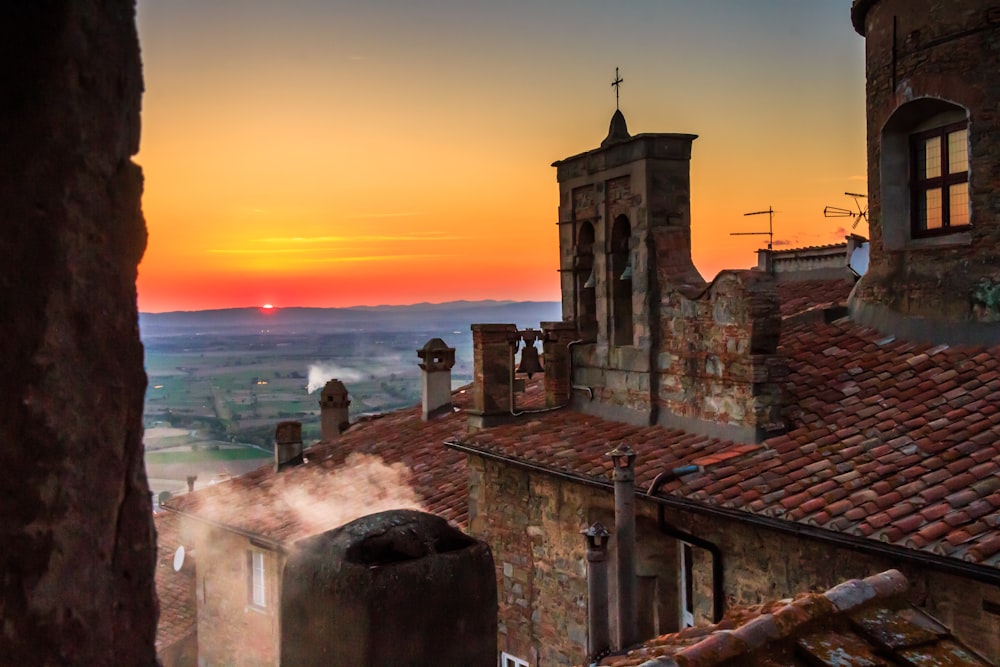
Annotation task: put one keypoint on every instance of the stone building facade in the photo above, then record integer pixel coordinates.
(933, 151)
(784, 442)
(631, 288)
(542, 575)
(238, 596)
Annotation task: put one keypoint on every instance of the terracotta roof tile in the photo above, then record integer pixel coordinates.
(859, 622)
(390, 450)
(175, 589)
(887, 462)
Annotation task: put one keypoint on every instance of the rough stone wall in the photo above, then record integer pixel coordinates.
(943, 50)
(719, 371)
(763, 564)
(647, 180)
(532, 523)
(230, 630)
(75, 521)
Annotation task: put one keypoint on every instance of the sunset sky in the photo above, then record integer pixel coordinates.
(326, 153)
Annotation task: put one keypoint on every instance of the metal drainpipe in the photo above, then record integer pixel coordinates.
(718, 594)
(623, 459)
(598, 626)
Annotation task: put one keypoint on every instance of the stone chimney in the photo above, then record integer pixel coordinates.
(493, 361)
(287, 445)
(333, 409)
(437, 361)
(558, 364)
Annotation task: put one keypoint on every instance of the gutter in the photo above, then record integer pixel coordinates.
(981, 573)
(256, 539)
(718, 571)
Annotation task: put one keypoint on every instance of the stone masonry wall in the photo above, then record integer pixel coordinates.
(532, 523)
(230, 630)
(940, 50)
(78, 549)
(718, 363)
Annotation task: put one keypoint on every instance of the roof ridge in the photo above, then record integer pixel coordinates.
(784, 622)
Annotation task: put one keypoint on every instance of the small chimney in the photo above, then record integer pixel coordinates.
(623, 459)
(437, 361)
(333, 410)
(598, 627)
(191, 479)
(493, 368)
(287, 445)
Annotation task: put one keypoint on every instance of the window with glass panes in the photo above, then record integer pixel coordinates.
(256, 583)
(939, 182)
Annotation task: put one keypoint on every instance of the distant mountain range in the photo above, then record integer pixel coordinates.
(452, 315)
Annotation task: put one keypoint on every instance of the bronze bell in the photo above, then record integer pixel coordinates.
(529, 361)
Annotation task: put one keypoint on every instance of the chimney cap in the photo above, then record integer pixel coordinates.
(436, 355)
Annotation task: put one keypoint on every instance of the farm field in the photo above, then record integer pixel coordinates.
(213, 400)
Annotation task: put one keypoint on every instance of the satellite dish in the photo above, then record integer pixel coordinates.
(179, 559)
(859, 259)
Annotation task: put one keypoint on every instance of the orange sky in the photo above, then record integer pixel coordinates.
(314, 153)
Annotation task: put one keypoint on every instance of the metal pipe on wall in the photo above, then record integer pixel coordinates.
(624, 478)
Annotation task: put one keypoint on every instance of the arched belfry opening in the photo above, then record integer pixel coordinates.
(586, 282)
(620, 281)
(624, 231)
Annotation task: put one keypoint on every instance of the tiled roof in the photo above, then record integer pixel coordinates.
(394, 460)
(799, 297)
(174, 589)
(860, 622)
(888, 441)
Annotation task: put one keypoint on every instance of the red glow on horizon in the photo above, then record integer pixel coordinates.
(268, 309)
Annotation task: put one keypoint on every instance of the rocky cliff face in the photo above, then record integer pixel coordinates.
(78, 549)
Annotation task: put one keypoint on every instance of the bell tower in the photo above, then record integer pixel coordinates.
(624, 229)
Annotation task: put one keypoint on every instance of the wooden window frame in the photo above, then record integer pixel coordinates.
(252, 579)
(920, 186)
(508, 660)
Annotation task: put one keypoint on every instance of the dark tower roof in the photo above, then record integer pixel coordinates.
(618, 131)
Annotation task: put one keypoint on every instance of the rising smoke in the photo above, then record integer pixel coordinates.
(364, 485)
(320, 373)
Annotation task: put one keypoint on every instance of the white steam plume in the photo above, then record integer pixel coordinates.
(320, 373)
(364, 485)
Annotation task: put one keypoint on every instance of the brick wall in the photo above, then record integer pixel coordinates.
(942, 50)
(230, 630)
(532, 523)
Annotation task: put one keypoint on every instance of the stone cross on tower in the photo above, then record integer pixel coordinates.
(616, 84)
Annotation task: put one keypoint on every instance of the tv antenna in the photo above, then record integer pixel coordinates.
(770, 227)
(859, 214)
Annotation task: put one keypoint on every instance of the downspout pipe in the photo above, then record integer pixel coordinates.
(718, 594)
(598, 626)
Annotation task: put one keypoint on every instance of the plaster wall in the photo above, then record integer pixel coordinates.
(231, 631)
